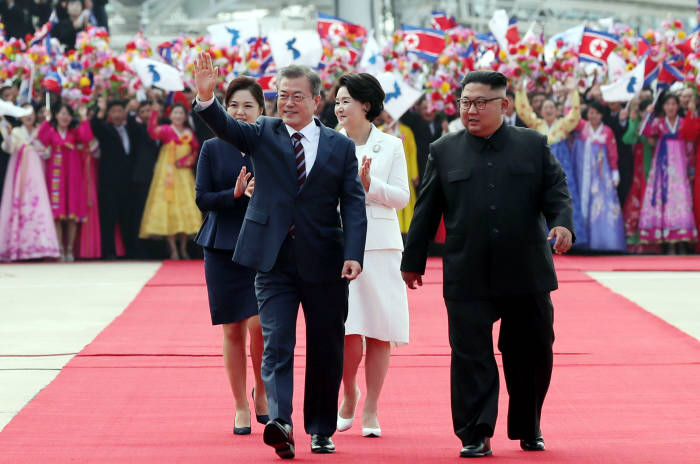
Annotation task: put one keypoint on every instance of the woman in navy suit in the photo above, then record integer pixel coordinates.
(222, 187)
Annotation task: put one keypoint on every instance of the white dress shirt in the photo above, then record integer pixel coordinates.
(311, 135)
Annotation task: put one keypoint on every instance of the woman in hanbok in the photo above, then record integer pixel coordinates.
(643, 155)
(595, 165)
(690, 131)
(89, 236)
(171, 210)
(64, 173)
(667, 210)
(557, 131)
(27, 229)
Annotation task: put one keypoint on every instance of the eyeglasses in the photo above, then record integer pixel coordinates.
(480, 103)
(296, 98)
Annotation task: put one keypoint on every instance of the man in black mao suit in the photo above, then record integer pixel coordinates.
(292, 235)
(498, 187)
(116, 146)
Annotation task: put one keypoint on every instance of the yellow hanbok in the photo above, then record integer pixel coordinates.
(170, 207)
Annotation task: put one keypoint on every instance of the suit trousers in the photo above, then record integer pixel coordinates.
(525, 342)
(279, 293)
(115, 208)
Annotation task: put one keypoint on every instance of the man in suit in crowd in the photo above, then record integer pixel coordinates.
(427, 127)
(496, 185)
(616, 119)
(292, 235)
(144, 155)
(510, 117)
(116, 146)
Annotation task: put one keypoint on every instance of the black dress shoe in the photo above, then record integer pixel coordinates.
(322, 444)
(536, 444)
(479, 448)
(279, 435)
(261, 418)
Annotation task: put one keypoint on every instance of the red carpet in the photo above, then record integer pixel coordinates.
(151, 387)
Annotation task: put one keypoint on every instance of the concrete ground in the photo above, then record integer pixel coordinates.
(49, 312)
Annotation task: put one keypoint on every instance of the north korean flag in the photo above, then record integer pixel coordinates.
(670, 71)
(423, 42)
(692, 43)
(512, 34)
(653, 60)
(330, 26)
(268, 82)
(596, 46)
(441, 21)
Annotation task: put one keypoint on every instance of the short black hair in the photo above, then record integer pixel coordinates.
(644, 104)
(245, 83)
(113, 103)
(364, 88)
(494, 79)
(598, 106)
(510, 93)
(144, 103)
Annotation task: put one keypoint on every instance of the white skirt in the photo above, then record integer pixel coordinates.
(378, 304)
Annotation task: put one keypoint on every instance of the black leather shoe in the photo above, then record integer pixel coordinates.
(261, 418)
(279, 435)
(536, 444)
(322, 444)
(479, 448)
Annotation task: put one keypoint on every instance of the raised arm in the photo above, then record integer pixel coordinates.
(393, 193)
(48, 135)
(241, 135)
(154, 130)
(570, 121)
(524, 110)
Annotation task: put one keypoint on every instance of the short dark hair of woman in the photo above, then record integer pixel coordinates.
(598, 106)
(57, 109)
(245, 83)
(364, 88)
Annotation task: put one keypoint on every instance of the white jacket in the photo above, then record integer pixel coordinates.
(388, 189)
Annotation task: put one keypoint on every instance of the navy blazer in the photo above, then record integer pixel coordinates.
(321, 243)
(217, 170)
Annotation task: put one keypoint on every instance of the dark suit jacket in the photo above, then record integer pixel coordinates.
(495, 195)
(218, 167)
(115, 164)
(144, 152)
(321, 244)
(424, 136)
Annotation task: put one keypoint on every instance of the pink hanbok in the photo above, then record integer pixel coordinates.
(26, 223)
(64, 170)
(667, 209)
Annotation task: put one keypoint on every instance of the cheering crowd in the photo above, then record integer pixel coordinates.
(95, 163)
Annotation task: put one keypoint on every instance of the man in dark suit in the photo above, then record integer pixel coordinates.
(510, 116)
(114, 174)
(496, 185)
(292, 235)
(144, 155)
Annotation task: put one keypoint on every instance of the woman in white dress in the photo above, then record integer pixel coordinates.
(378, 305)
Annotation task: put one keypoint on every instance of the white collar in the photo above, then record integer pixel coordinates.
(308, 131)
(673, 128)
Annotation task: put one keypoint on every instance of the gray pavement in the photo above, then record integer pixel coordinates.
(49, 312)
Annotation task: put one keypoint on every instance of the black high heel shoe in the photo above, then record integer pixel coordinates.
(262, 418)
(240, 430)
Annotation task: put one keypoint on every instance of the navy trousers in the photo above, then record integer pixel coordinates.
(279, 293)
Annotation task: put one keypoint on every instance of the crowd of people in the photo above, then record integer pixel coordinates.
(116, 175)
(22, 18)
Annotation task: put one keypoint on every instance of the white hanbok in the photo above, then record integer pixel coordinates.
(378, 304)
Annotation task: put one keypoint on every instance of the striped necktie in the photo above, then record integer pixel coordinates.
(300, 160)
